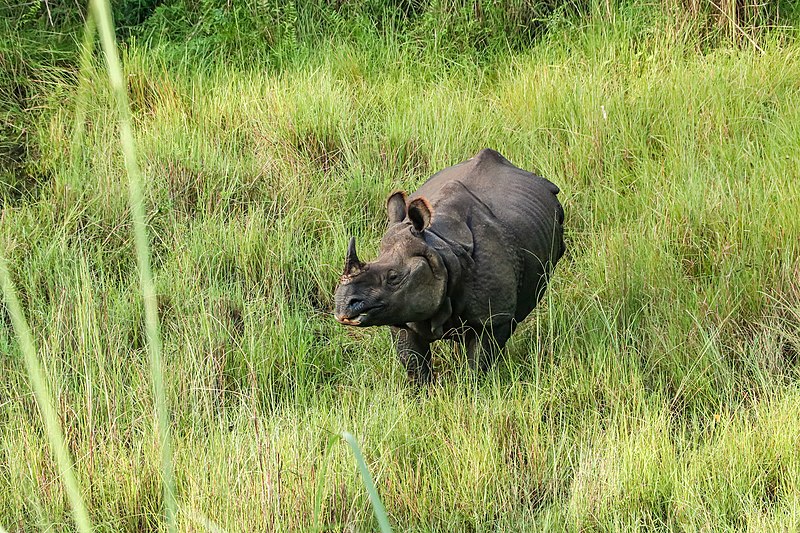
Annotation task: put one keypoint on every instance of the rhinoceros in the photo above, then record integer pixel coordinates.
(467, 256)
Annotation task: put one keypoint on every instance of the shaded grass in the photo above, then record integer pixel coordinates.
(655, 388)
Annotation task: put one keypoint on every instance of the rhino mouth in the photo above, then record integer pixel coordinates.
(356, 319)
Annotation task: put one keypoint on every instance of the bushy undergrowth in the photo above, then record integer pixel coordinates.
(654, 388)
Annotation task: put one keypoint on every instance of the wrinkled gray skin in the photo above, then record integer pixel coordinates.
(467, 256)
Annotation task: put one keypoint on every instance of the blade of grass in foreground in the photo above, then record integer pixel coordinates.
(377, 504)
(44, 400)
(200, 518)
(102, 17)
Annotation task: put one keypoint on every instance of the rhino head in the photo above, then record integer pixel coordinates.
(408, 280)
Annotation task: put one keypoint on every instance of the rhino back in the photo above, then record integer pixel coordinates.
(487, 197)
(523, 203)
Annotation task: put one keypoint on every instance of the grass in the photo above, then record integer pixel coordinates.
(102, 14)
(656, 387)
(44, 400)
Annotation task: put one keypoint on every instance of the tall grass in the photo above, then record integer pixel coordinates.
(369, 484)
(102, 14)
(654, 388)
(41, 389)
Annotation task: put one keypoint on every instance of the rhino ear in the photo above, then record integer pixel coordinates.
(420, 212)
(396, 207)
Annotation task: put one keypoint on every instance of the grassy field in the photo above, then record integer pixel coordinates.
(655, 388)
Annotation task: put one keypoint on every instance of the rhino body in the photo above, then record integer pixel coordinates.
(466, 256)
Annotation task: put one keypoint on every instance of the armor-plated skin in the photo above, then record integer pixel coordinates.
(468, 255)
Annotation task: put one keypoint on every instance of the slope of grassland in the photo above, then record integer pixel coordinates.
(656, 386)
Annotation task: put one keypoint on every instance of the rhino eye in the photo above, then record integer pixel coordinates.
(392, 278)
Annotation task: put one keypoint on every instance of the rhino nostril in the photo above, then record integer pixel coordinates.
(355, 304)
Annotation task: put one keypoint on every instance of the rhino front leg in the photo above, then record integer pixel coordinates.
(483, 345)
(414, 353)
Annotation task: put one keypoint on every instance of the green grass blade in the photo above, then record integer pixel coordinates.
(102, 15)
(321, 473)
(366, 477)
(202, 520)
(39, 385)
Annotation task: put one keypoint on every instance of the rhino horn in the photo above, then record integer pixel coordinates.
(352, 265)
